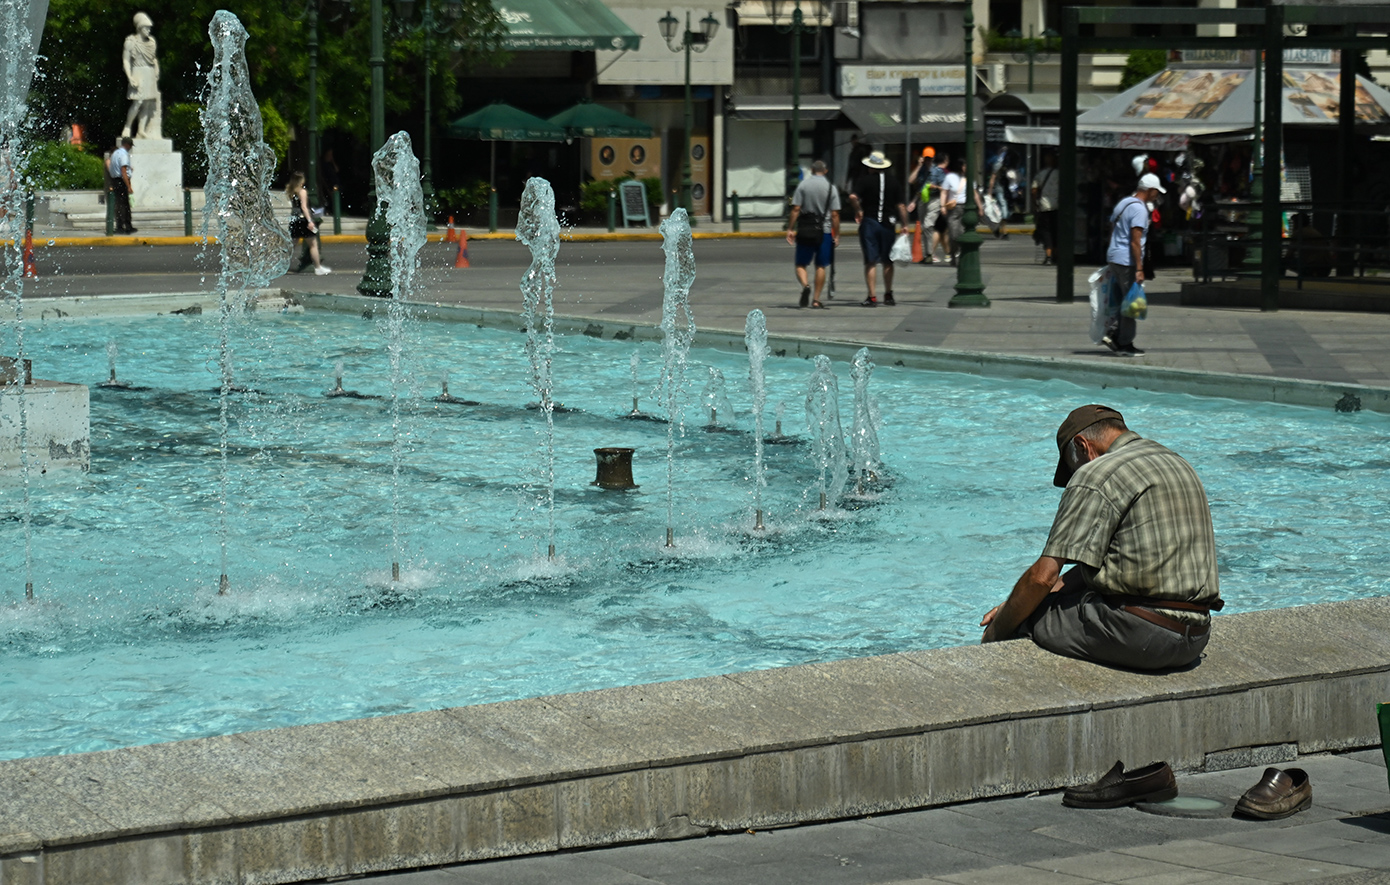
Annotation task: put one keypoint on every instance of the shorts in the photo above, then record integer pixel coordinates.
(931, 213)
(824, 254)
(876, 241)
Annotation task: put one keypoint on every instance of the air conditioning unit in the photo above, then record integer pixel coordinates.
(846, 13)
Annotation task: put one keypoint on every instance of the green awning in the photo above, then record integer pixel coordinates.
(589, 120)
(563, 25)
(502, 122)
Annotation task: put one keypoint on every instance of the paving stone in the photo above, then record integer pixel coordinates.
(1106, 866)
(1015, 875)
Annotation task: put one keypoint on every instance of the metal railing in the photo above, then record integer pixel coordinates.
(1349, 242)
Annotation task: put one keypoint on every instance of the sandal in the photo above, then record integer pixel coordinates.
(816, 305)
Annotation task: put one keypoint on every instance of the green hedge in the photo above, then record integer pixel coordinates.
(57, 166)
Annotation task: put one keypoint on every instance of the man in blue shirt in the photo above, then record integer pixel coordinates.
(1126, 259)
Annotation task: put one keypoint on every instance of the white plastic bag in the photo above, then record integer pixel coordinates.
(902, 249)
(992, 211)
(1100, 292)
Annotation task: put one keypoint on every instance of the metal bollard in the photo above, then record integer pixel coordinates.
(110, 213)
(734, 198)
(612, 211)
(187, 212)
(29, 213)
(492, 211)
(337, 212)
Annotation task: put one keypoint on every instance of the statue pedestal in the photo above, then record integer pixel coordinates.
(156, 174)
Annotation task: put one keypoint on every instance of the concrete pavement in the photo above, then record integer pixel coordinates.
(1344, 839)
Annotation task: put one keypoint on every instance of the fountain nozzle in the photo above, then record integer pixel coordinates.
(223, 585)
(551, 554)
(395, 571)
(670, 537)
(822, 500)
(758, 522)
(28, 589)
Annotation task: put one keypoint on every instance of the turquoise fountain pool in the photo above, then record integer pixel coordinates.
(128, 641)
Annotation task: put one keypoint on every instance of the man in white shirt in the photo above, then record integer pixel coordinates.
(953, 205)
(120, 185)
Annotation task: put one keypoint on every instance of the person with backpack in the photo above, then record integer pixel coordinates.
(1130, 230)
(814, 228)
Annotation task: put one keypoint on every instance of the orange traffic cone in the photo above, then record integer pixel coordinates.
(462, 259)
(30, 270)
(451, 236)
(917, 243)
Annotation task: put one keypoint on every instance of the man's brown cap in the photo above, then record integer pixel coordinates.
(1077, 421)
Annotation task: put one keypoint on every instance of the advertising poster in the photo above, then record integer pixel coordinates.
(699, 174)
(1317, 96)
(1185, 95)
(611, 159)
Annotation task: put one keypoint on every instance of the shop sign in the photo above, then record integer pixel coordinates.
(887, 79)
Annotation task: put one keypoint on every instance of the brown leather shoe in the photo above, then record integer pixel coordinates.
(1152, 783)
(1278, 795)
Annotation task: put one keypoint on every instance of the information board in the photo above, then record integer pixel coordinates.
(632, 196)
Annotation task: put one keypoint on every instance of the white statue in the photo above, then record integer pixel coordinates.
(142, 70)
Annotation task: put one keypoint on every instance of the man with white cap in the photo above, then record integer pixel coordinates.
(876, 196)
(1126, 259)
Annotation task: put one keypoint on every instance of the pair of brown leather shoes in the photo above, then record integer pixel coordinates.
(1278, 795)
(1117, 787)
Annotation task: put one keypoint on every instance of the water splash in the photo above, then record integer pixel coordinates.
(254, 248)
(634, 362)
(823, 423)
(677, 334)
(864, 433)
(21, 26)
(397, 176)
(755, 338)
(539, 229)
(716, 400)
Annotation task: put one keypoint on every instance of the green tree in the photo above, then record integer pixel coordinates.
(80, 77)
(1142, 64)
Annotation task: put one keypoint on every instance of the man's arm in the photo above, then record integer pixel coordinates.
(835, 226)
(1032, 588)
(125, 177)
(855, 207)
(791, 224)
(1136, 235)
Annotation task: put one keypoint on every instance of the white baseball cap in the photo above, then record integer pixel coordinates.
(1151, 182)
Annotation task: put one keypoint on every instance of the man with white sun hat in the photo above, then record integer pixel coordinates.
(876, 197)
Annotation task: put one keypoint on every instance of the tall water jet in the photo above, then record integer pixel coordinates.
(823, 423)
(539, 229)
(21, 26)
(755, 338)
(634, 362)
(254, 249)
(677, 334)
(864, 432)
(399, 196)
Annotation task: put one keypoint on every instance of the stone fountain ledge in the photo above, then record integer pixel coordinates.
(678, 759)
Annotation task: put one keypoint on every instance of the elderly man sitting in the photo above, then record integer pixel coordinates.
(1135, 520)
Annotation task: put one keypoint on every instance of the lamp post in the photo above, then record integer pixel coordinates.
(697, 41)
(795, 28)
(1030, 50)
(376, 279)
(970, 288)
(429, 25)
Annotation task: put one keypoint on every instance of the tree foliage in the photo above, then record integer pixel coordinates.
(1142, 64)
(80, 77)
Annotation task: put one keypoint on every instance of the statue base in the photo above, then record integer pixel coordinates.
(156, 174)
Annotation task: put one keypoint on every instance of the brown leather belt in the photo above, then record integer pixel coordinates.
(1166, 622)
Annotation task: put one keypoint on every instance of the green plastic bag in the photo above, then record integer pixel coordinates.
(1383, 713)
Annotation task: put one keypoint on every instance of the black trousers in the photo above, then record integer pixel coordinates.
(121, 196)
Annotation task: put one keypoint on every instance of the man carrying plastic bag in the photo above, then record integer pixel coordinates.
(1126, 265)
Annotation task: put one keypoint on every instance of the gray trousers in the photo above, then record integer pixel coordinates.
(1080, 623)
(1120, 329)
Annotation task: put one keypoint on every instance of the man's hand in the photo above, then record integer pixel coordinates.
(989, 615)
(791, 237)
(1041, 578)
(1139, 274)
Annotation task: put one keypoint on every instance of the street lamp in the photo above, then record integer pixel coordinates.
(309, 12)
(690, 40)
(429, 25)
(1030, 50)
(376, 279)
(795, 28)
(970, 288)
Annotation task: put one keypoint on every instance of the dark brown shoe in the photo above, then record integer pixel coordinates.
(1152, 783)
(1278, 795)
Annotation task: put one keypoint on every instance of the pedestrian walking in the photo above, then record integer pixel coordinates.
(814, 228)
(932, 221)
(953, 207)
(1128, 237)
(1045, 205)
(876, 196)
(302, 226)
(121, 190)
